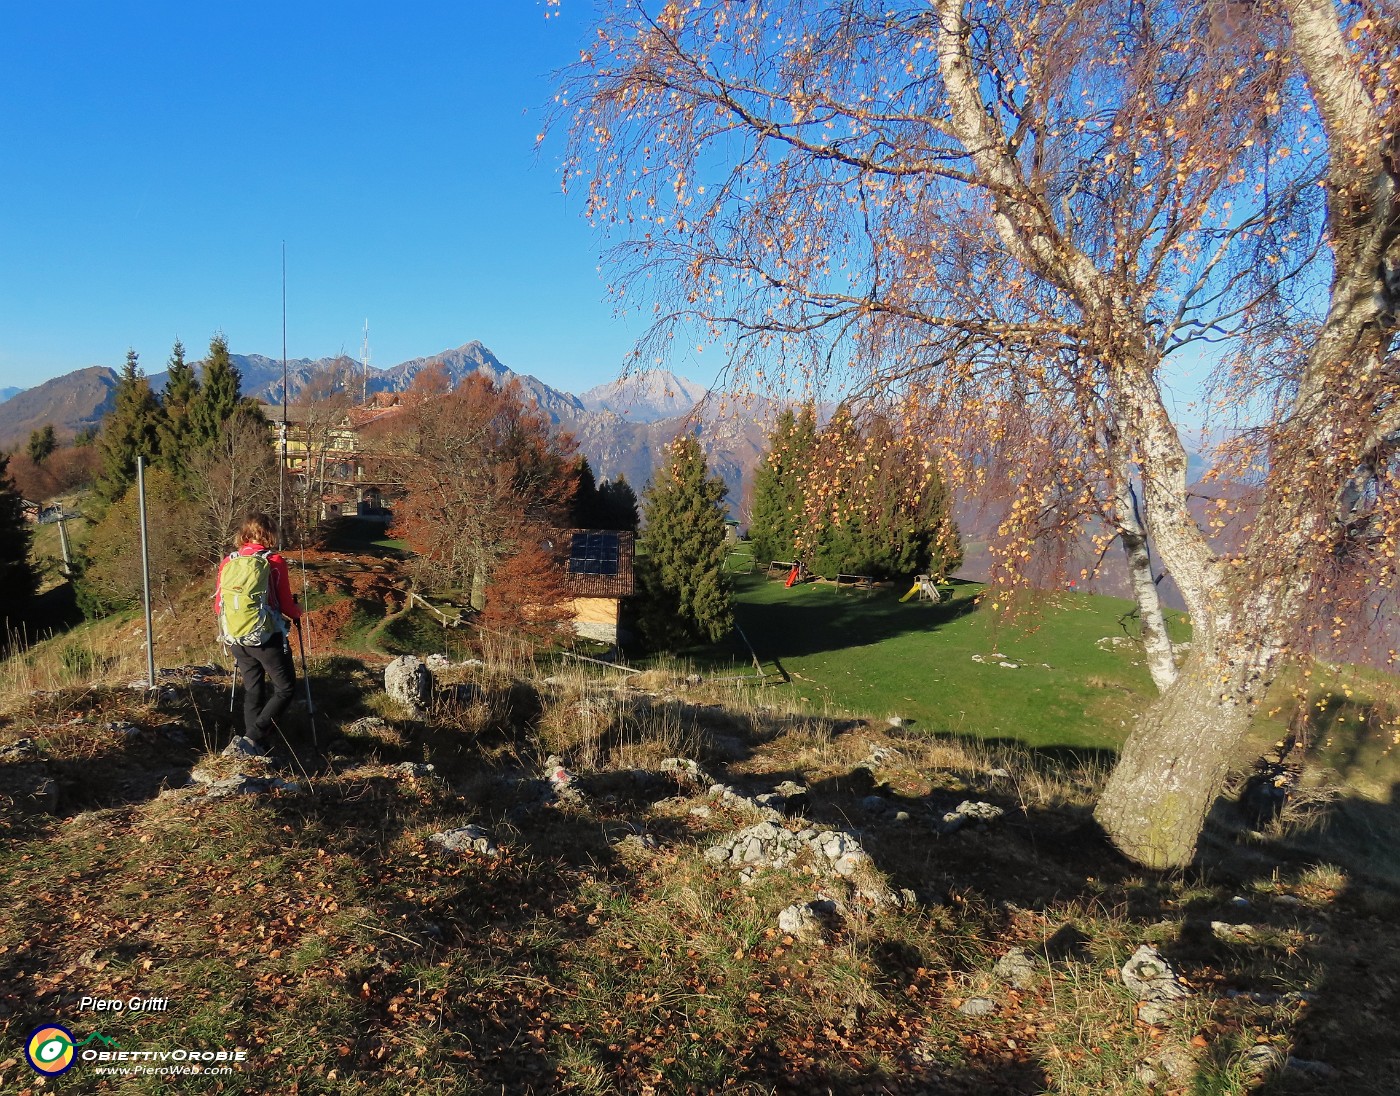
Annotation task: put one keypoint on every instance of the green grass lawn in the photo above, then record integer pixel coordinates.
(866, 653)
(356, 534)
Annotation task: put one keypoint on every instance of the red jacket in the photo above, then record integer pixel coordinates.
(281, 586)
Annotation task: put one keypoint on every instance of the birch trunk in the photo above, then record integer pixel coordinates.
(1152, 623)
(1175, 761)
(1174, 764)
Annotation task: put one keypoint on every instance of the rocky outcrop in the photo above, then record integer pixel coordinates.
(769, 845)
(466, 839)
(409, 682)
(1154, 983)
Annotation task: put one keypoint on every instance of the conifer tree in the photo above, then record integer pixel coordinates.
(877, 504)
(680, 566)
(585, 509)
(779, 497)
(42, 443)
(180, 392)
(218, 395)
(17, 575)
(618, 503)
(128, 432)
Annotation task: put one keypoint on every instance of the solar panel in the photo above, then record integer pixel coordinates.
(593, 554)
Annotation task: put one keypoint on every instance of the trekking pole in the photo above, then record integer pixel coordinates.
(306, 680)
(232, 679)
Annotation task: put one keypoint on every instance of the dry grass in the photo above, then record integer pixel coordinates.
(580, 961)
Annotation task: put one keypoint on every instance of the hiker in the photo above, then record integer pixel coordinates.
(252, 602)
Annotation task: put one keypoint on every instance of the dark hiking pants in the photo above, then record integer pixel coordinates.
(269, 677)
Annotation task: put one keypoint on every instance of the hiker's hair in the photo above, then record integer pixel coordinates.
(256, 529)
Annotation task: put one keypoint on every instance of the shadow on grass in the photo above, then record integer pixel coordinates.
(808, 620)
(1318, 952)
(1333, 959)
(362, 536)
(530, 942)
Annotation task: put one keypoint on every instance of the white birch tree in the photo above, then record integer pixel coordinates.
(1009, 219)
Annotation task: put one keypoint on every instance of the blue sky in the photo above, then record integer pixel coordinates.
(154, 157)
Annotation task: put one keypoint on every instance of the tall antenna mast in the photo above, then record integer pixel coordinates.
(364, 365)
(282, 429)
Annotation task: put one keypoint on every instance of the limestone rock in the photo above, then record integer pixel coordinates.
(1016, 969)
(687, 770)
(465, 839)
(1179, 1061)
(808, 920)
(1264, 1060)
(244, 784)
(1155, 1013)
(969, 811)
(1229, 933)
(562, 784)
(733, 797)
(1151, 978)
(1309, 1067)
(409, 682)
(770, 845)
(245, 748)
(370, 726)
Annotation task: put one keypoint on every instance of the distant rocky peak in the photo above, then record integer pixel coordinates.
(645, 396)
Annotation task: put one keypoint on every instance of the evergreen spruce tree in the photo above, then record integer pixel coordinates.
(619, 504)
(769, 534)
(883, 509)
(779, 488)
(128, 431)
(217, 397)
(586, 507)
(685, 595)
(42, 443)
(175, 433)
(18, 578)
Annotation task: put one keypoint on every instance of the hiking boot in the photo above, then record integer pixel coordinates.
(245, 746)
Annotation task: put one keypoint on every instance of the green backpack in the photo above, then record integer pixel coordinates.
(246, 615)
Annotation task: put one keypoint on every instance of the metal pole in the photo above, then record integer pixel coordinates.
(306, 680)
(282, 432)
(146, 572)
(63, 546)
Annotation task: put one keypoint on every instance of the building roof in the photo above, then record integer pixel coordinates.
(600, 562)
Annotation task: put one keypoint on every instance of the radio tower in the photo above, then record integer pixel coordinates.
(364, 366)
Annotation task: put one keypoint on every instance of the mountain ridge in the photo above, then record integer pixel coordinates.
(621, 426)
(72, 402)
